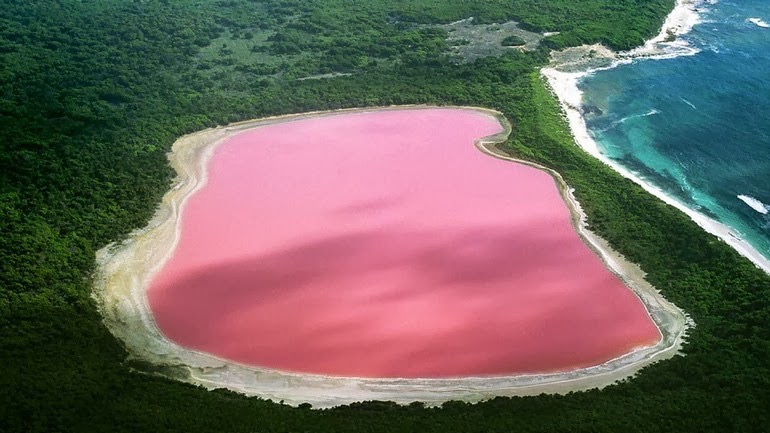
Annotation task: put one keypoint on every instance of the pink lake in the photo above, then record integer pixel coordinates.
(385, 244)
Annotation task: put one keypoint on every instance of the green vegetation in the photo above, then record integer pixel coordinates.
(513, 41)
(94, 92)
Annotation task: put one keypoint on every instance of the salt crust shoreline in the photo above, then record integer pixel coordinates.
(125, 270)
(565, 87)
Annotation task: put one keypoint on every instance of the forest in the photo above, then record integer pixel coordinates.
(94, 92)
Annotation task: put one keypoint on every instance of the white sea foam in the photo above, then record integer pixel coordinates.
(652, 112)
(565, 86)
(759, 22)
(755, 204)
(688, 103)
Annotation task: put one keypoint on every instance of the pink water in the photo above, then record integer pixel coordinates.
(386, 245)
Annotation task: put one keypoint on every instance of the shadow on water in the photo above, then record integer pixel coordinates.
(404, 303)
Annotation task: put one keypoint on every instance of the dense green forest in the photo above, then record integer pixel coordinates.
(93, 93)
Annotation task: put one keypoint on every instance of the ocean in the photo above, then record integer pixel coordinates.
(696, 126)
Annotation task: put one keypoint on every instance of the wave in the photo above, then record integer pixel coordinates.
(755, 204)
(759, 22)
(688, 103)
(652, 112)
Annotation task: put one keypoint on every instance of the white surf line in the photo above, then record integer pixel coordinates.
(125, 271)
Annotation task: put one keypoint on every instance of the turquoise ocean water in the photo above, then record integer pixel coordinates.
(698, 126)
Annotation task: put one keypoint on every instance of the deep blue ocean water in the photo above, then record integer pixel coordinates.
(698, 126)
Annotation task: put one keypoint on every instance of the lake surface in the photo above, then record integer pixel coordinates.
(385, 244)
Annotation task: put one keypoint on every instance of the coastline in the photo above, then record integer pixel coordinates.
(125, 271)
(563, 77)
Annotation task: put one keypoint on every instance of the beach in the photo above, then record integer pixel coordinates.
(563, 78)
(125, 271)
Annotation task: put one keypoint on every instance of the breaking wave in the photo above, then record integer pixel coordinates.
(755, 204)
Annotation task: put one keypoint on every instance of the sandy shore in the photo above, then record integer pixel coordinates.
(126, 269)
(565, 73)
